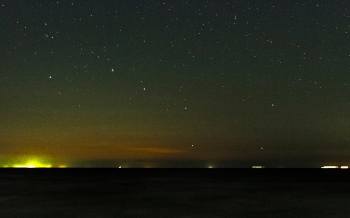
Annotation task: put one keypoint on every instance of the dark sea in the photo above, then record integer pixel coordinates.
(51, 193)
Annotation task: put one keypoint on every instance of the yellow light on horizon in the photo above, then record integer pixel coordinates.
(33, 166)
(32, 163)
(258, 167)
(330, 167)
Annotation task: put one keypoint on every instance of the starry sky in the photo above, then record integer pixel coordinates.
(175, 83)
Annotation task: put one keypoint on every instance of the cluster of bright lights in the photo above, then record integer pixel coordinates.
(335, 167)
(32, 165)
(33, 162)
(258, 167)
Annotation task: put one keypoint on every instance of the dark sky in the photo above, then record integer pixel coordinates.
(175, 83)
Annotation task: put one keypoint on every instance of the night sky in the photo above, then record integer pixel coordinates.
(175, 83)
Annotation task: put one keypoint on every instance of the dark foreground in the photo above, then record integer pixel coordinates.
(174, 193)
